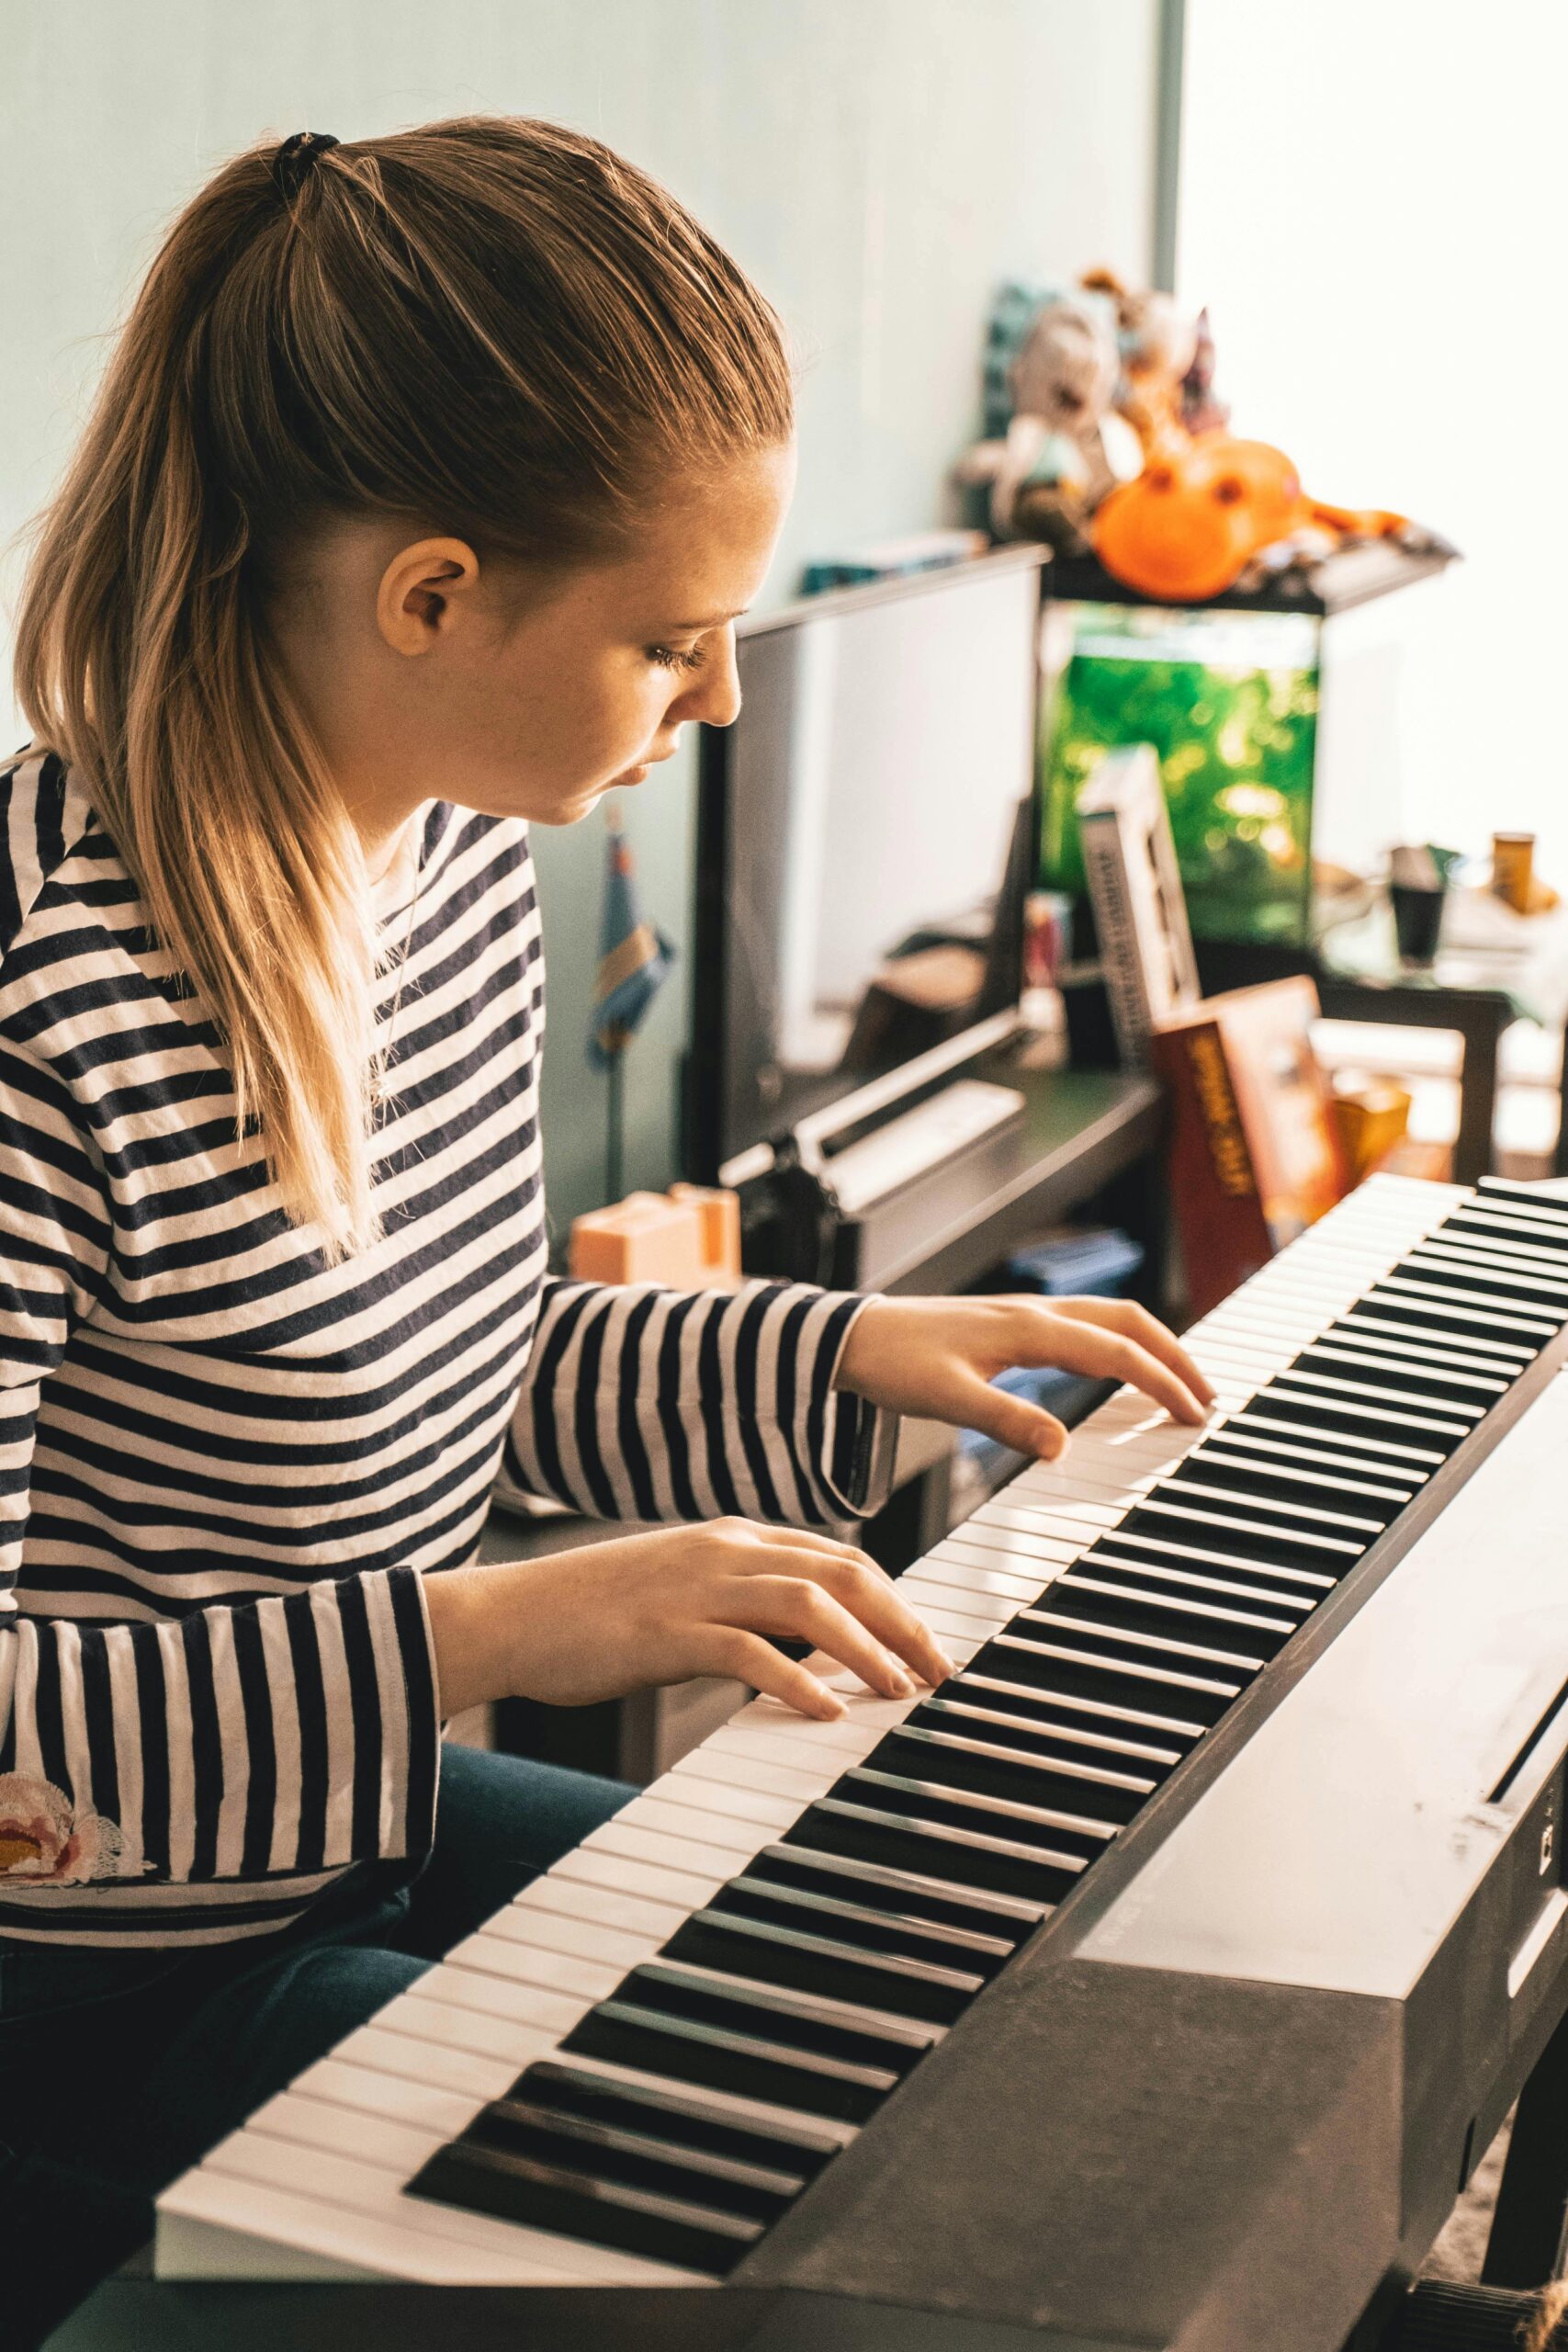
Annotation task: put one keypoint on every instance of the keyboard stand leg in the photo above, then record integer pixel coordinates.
(1526, 2246)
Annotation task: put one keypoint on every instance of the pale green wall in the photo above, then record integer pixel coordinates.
(877, 164)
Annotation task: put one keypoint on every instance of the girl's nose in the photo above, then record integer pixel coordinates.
(714, 695)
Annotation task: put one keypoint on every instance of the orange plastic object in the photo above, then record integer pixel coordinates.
(1191, 523)
(719, 1209)
(689, 1236)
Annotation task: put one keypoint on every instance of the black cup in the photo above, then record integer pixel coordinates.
(1417, 920)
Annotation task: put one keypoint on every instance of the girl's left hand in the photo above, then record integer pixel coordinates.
(937, 1357)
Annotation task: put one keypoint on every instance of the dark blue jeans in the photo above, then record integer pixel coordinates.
(117, 2070)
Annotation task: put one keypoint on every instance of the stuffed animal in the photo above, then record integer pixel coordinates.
(1159, 342)
(1201, 412)
(1064, 447)
(1202, 511)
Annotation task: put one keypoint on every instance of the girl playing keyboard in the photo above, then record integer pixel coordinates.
(428, 481)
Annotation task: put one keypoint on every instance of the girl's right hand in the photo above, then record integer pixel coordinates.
(609, 1618)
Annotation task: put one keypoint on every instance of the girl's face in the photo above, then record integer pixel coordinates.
(424, 678)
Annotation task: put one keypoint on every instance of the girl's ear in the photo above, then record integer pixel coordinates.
(422, 591)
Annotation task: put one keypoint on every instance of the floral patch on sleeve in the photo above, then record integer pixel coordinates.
(46, 1841)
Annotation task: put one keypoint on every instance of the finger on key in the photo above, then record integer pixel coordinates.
(798, 1610)
(730, 1651)
(870, 1594)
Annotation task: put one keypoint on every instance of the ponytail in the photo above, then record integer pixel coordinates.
(498, 328)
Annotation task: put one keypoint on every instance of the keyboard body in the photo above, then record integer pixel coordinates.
(1224, 2090)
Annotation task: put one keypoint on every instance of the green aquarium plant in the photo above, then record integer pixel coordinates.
(1229, 701)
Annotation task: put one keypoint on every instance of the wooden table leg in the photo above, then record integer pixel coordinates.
(1481, 1029)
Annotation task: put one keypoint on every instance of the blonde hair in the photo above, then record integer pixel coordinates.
(495, 328)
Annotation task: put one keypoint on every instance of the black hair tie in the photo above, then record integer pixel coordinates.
(291, 164)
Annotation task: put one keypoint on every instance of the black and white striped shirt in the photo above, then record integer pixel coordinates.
(225, 1466)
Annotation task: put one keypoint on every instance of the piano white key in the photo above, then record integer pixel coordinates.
(998, 1542)
(415, 2065)
(351, 2185)
(865, 1712)
(530, 2007)
(1258, 1335)
(981, 1609)
(1154, 1456)
(532, 1968)
(646, 1874)
(433, 2017)
(233, 2223)
(1095, 1486)
(1057, 1512)
(652, 1815)
(953, 1632)
(731, 1799)
(392, 2143)
(573, 1897)
(732, 1770)
(542, 1929)
(978, 1573)
(426, 2106)
(1072, 1523)
(760, 1747)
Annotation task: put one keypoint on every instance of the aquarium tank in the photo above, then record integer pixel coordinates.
(1229, 701)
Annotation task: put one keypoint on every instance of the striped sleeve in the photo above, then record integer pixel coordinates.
(283, 1737)
(644, 1402)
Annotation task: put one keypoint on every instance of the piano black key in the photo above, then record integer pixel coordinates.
(1350, 1424)
(753, 2063)
(1212, 1632)
(1276, 1479)
(1066, 1837)
(1296, 1417)
(1504, 1192)
(1011, 1714)
(1036, 1766)
(984, 1687)
(1511, 1285)
(520, 2188)
(1337, 1404)
(1403, 1320)
(1504, 1223)
(1384, 1376)
(902, 1894)
(1211, 1487)
(1512, 1263)
(1091, 1618)
(1550, 1228)
(1076, 1754)
(771, 2138)
(986, 1769)
(1226, 1556)
(932, 1848)
(1272, 1443)
(1450, 1303)
(874, 1926)
(1122, 1565)
(619, 2141)
(1370, 1332)
(805, 1958)
(1068, 1664)
(1263, 1536)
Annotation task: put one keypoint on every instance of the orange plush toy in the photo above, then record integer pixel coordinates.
(1202, 511)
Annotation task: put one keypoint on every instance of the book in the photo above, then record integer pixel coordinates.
(1255, 1148)
(1140, 911)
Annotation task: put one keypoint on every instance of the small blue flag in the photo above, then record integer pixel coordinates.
(634, 957)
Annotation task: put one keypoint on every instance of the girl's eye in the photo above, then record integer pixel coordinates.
(669, 658)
